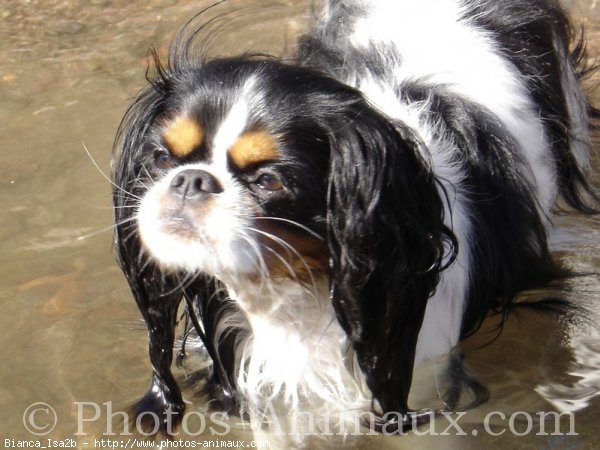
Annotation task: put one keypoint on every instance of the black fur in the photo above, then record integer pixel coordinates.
(525, 32)
(394, 247)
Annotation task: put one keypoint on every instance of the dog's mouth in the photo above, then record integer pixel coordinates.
(179, 226)
(178, 220)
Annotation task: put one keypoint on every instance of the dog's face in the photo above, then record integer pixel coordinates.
(235, 180)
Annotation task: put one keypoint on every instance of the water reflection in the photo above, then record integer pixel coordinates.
(70, 329)
(579, 395)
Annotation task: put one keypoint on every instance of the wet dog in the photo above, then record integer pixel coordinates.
(330, 222)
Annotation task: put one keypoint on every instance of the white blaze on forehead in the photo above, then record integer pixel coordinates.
(233, 125)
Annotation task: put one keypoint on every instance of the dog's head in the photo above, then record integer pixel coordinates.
(240, 168)
(238, 172)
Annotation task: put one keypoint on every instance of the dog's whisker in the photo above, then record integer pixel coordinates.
(181, 284)
(128, 198)
(141, 264)
(106, 177)
(121, 222)
(148, 176)
(293, 250)
(102, 230)
(292, 222)
(285, 263)
(118, 207)
(262, 265)
(132, 234)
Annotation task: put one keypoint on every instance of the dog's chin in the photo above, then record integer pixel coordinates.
(173, 252)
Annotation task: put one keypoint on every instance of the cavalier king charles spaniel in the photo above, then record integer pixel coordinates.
(325, 223)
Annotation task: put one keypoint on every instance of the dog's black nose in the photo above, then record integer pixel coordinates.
(194, 183)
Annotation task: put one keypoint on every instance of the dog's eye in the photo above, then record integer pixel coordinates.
(162, 160)
(269, 182)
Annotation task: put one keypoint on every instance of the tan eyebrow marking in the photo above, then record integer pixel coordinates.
(253, 147)
(183, 135)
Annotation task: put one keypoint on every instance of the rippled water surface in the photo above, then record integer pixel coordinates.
(69, 329)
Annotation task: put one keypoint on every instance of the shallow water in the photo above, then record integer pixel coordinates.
(70, 330)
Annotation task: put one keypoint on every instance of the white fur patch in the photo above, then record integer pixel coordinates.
(296, 357)
(462, 58)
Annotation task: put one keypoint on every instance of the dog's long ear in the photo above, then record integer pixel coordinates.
(155, 293)
(159, 294)
(388, 244)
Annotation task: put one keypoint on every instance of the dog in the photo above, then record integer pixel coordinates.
(330, 221)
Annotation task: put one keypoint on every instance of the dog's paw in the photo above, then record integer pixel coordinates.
(159, 411)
